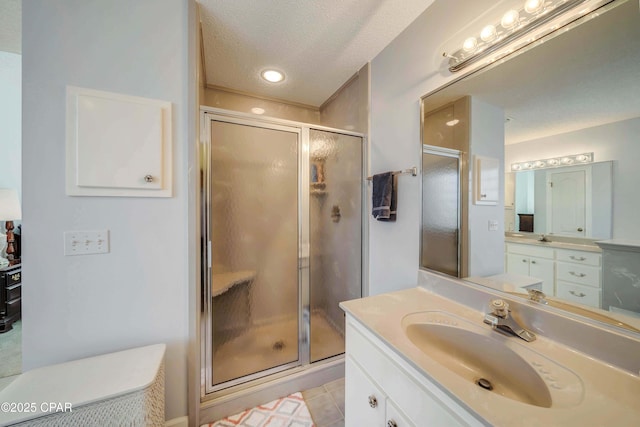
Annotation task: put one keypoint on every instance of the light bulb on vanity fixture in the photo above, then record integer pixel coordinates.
(535, 18)
(553, 162)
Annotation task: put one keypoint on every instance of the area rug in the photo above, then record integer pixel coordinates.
(290, 411)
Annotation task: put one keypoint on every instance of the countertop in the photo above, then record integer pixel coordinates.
(610, 395)
(626, 245)
(553, 244)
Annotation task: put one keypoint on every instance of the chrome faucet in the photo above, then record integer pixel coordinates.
(500, 319)
(537, 295)
(543, 238)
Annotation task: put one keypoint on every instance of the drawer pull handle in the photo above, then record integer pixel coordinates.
(577, 258)
(577, 294)
(533, 262)
(392, 423)
(373, 402)
(573, 273)
(524, 260)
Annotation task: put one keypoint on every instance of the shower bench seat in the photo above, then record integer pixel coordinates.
(123, 388)
(222, 282)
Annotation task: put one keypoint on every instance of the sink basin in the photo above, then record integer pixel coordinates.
(483, 357)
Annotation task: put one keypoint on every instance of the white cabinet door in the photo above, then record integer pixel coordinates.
(487, 181)
(543, 269)
(518, 264)
(365, 402)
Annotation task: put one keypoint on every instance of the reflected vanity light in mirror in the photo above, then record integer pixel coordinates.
(554, 162)
(535, 18)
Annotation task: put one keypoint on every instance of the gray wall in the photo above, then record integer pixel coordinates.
(138, 293)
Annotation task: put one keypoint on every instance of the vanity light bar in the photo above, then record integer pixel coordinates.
(555, 162)
(515, 23)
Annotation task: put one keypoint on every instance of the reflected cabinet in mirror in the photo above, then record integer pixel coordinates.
(562, 117)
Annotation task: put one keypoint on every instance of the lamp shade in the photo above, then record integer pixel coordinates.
(9, 205)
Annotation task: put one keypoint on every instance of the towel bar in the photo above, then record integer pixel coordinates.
(413, 171)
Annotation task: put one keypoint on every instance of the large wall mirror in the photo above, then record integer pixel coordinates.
(574, 92)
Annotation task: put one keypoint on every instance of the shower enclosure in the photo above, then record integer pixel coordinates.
(282, 238)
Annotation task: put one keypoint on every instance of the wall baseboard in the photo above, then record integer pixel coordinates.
(178, 422)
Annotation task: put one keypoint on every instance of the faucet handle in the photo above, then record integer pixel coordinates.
(500, 308)
(537, 296)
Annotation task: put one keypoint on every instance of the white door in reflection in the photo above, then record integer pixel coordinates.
(568, 203)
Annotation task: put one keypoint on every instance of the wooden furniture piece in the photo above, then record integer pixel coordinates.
(526, 222)
(10, 296)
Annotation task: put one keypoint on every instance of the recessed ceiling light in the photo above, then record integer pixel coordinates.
(272, 76)
(257, 110)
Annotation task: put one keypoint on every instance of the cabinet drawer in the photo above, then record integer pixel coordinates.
(531, 250)
(579, 257)
(14, 292)
(11, 279)
(578, 294)
(13, 307)
(581, 274)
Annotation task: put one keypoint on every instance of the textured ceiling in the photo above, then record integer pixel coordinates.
(588, 76)
(11, 26)
(319, 45)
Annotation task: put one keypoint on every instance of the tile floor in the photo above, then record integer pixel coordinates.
(326, 404)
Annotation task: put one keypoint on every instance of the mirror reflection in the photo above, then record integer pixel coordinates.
(572, 201)
(575, 92)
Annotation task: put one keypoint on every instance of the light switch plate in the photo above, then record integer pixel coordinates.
(493, 225)
(86, 242)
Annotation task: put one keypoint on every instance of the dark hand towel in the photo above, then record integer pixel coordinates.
(384, 196)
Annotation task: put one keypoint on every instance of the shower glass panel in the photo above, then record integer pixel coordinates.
(440, 211)
(335, 234)
(254, 233)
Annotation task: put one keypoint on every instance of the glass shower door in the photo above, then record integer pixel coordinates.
(254, 237)
(335, 236)
(440, 210)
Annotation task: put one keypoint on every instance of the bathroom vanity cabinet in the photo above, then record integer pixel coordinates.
(532, 261)
(579, 277)
(573, 275)
(382, 389)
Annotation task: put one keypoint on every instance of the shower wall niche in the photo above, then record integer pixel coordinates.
(282, 227)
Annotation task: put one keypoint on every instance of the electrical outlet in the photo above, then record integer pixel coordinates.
(86, 242)
(493, 225)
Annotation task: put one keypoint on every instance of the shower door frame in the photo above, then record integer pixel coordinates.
(207, 115)
(459, 156)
